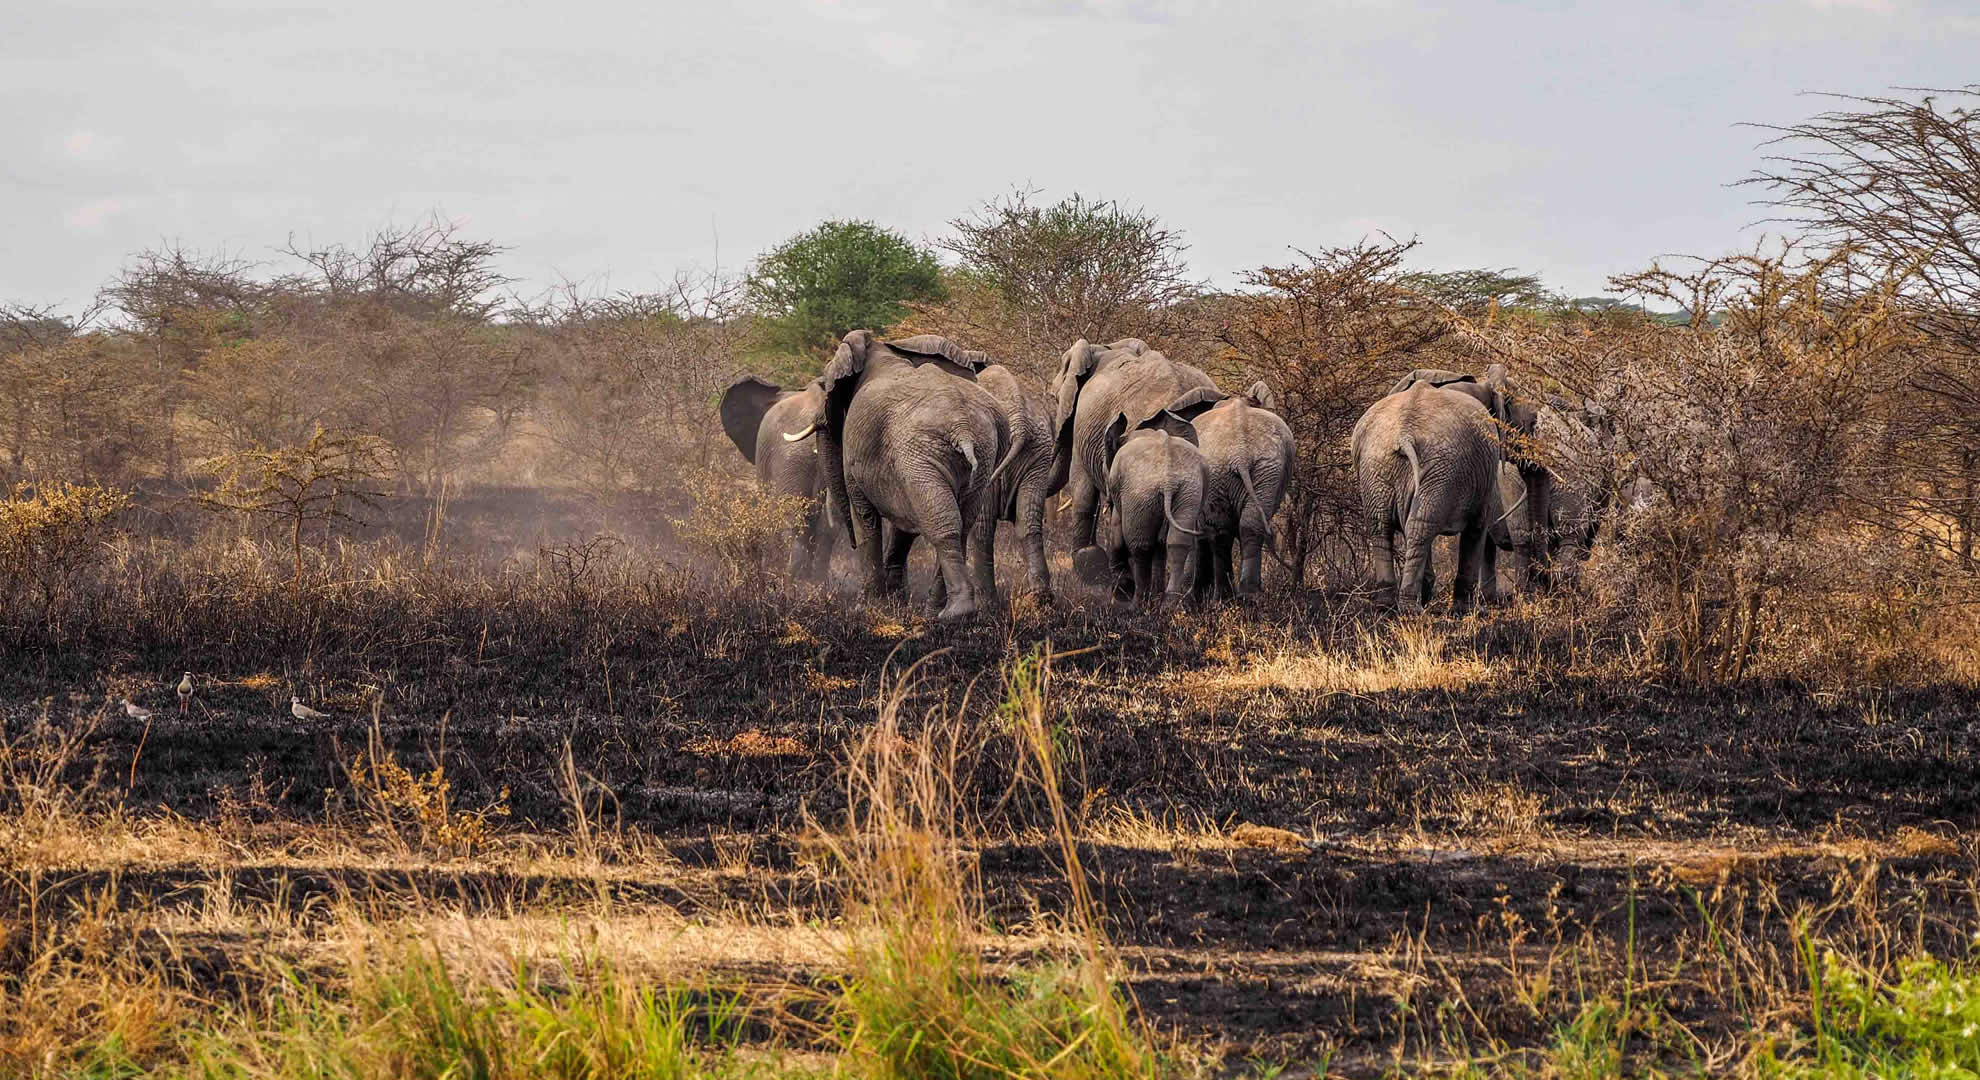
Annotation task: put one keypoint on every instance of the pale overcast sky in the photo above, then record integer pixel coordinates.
(1573, 139)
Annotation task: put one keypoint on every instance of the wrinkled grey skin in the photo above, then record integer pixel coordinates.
(1156, 481)
(755, 415)
(1027, 484)
(914, 445)
(1095, 384)
(1517, 417)
(1427, 460)
(1248, 452)
(1034, 476)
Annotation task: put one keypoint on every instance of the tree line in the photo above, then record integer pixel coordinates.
(1807, 412)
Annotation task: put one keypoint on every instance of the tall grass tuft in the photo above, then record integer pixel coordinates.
(406, 1015)
(921, 1002)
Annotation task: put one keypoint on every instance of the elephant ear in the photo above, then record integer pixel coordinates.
(1111, 440)
(1073, 373)
(842, 373)
(1262, 396)
(744, 403)
(1433, 376)
(1169, 422)
(937, 345)
(1193, 403)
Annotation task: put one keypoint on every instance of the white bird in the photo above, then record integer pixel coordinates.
(304, 712)
(136, 712)
(185, 692)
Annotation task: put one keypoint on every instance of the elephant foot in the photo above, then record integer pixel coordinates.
(958, 608)
(1094, 566)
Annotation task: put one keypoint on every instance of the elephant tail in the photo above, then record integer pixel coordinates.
(1408, 447)
(1169, 514)
(1253, 510)
(1007, 508)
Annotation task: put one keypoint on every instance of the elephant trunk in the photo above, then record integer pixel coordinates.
(830, 452)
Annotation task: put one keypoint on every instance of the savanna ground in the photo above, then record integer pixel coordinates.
(1316, 837)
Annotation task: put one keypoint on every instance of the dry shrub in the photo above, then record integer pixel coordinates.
(50, 534)
(1758, 430)
(735, 523)
(417, 811)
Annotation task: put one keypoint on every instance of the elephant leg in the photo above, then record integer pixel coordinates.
(1413, 585)
(1203, 571)
(1121, 562)
(1142, 559)
(899, 545)
(1222, 549)
(824, 542)
(1471, 545)
(952, 564)
(1382, 562)
(1089, 562)
(1031, 523)
(1251, 572)
(983, 557)
(941, 518)
(1488, 572)
(811, 548)
(1176, 573)
(875, 548)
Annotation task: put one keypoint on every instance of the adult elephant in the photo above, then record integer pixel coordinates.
(1427, 461)
(1032, 478)
(1248, 452)
(1094, 385)
(755, 414)
(1521, 444)
(914, 445)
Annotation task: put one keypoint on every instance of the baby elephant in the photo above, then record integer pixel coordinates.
(1155, 487)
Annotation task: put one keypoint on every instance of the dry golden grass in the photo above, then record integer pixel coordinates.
(1407, 654)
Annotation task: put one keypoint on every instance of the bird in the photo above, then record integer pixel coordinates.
(304, 712)
(136, 712)
(185, 692)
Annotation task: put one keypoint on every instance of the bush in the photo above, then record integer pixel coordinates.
(50, 534)
(735, 523)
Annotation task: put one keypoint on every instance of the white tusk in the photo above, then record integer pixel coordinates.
(800, 436)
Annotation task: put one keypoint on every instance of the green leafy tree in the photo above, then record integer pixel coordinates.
(841, 276)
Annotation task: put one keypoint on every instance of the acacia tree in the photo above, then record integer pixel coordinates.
(1896, 182)
(320, 481)
(842, 276)
(1759, 426)
(1032, 278)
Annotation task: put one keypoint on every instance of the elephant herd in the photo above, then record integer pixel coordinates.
(919, 438)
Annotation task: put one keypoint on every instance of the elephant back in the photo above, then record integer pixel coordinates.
(1138, 385)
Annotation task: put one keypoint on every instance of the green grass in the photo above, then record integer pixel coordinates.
(409, 1016)
(1926, 1023)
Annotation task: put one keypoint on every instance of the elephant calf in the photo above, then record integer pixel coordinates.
(1248, 450)
(1156, 481)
